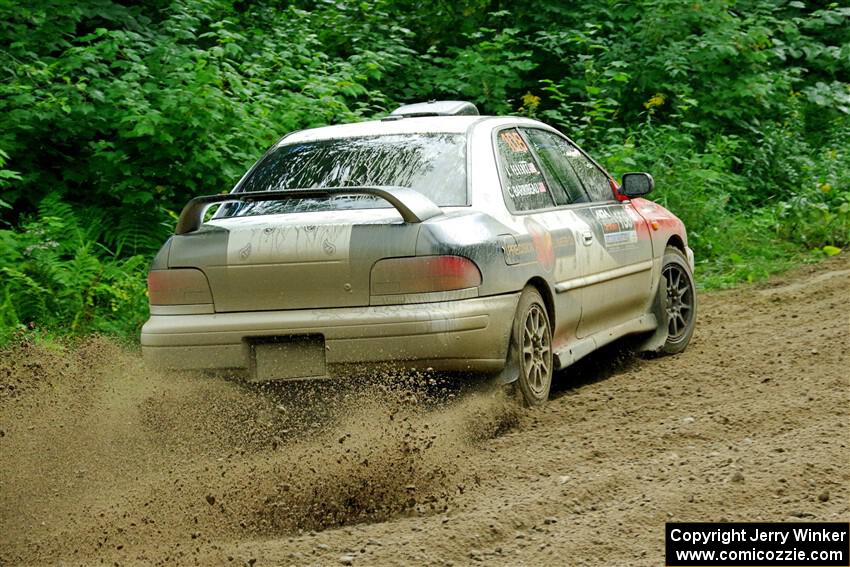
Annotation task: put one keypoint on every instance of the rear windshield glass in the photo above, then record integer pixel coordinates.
(432, 164)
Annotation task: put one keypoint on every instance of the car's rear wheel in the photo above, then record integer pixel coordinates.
(531, 343)
(680, 301)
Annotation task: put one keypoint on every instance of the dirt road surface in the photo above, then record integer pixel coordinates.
(104, 462)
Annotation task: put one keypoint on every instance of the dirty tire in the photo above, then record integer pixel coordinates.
(531, 343)
(680, 301)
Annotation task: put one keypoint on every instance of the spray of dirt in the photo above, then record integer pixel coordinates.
(105, 459)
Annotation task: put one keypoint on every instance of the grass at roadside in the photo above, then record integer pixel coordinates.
(752, 257)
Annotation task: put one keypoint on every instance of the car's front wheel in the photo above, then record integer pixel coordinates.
(531, 342)
(680, 301)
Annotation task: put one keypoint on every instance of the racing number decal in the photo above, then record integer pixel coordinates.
(514, 141)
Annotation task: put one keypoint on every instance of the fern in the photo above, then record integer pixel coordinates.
(24, 296)
(53, 206)
(56, 274)
(136, 232)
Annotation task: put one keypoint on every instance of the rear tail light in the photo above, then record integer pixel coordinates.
(423, 274)
(183, 286)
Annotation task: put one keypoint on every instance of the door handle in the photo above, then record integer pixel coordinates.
(587, 236)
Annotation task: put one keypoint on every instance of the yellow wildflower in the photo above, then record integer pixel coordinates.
(530, 101)
(656, 100)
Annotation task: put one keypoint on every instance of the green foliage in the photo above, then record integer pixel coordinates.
(151, 106)
(817, 212)
(57, 275)
(486, 71)
(113, 114)
(6, 178)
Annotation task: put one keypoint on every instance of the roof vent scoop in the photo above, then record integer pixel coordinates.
(437, 108)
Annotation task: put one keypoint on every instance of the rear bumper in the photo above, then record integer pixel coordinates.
(463, 335)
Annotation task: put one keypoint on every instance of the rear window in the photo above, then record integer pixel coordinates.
(432, 164)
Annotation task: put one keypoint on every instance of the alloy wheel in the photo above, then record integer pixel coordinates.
(536, 350)
(680, 301)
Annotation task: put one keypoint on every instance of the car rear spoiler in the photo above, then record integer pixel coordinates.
(414, 207)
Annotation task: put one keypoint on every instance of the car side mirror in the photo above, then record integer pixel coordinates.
(636, 184)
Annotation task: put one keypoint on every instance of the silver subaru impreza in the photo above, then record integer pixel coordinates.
(434, 237)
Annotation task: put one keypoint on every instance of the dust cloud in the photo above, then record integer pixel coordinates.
(105, 458)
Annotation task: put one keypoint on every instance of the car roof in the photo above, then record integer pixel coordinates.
(410, 125)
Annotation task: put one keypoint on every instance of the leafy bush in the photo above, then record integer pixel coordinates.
(817, 212)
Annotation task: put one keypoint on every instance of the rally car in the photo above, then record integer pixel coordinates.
(431, 238)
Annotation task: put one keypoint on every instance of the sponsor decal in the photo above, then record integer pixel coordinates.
(542, 241)
(554, 250)
(618, 228)
(518, 252)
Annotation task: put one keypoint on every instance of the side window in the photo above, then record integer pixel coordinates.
(523, 182)
(595, 182)
(553, 151)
